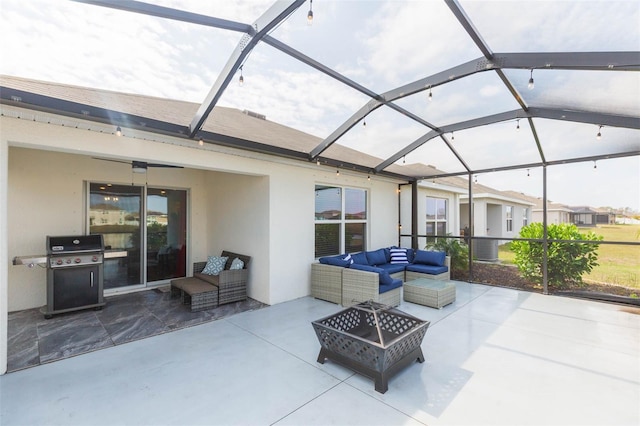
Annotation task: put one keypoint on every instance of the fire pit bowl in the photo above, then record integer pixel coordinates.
(372, 339)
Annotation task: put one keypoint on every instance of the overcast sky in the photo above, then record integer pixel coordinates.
(380, 45)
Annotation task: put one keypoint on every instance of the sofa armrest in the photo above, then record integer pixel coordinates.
(359, 286)
(326, 282)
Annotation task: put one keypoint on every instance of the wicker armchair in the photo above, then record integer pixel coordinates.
(362, 286)
(232, 284)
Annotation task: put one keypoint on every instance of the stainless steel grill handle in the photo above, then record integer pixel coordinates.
(91, 278)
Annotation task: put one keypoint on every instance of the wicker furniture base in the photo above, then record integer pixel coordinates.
(372, 339)
(326, 282)
(428, 292)
(196, 293)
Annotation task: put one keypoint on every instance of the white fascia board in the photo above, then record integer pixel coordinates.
(497, 197)
(440, 187)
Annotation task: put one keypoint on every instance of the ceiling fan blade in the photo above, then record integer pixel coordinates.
(112, 160)
(164, 165)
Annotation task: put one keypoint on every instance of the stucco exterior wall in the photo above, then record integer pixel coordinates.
(261, 208)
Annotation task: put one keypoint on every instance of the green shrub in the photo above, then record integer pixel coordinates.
(566, 263)
(458, 251)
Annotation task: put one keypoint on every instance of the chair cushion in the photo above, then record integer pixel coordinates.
(398, 255)
(211, 279)
(236, 264)
(397, 283)
(360, 258)
(428, 257)
(215, 265)
(393, 268)
(383, 276)
(376, 257)
(427, 269)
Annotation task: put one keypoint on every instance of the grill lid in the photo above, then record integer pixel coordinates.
(74, 243)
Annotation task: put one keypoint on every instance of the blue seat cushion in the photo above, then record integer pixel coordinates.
(388, 287)
(393, 268)
(384, 277)
(376, 257)
(428, 257)
(427, 269)
(360, 258)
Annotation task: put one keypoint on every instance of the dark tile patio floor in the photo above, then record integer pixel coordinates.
(34, 340)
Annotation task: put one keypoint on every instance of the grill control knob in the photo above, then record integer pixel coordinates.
(94, 259)
(68, 261)
(59, 262)
(78, 260)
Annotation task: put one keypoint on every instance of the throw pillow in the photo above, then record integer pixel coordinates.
(398, 255)
(215, 265)
(236, 264)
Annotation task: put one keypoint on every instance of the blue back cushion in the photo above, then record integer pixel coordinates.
(385, 278)
(376, 257)
(427, 257)
(335, 261)
(359, 259)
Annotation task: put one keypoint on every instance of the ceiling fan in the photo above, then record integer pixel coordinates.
(139, 166)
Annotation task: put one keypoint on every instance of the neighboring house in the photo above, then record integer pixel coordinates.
(496, 213)
(443, 208)
(589, 216)
(556, 213)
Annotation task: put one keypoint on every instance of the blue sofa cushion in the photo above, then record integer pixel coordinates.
(393, 268)
(376, 257)
(388, 287)
(360, 258)
(427, 257)
(340, 260)
(427, 269)
(384, 277)
(398, 255)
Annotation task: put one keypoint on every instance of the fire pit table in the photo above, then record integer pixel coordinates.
(372, 339)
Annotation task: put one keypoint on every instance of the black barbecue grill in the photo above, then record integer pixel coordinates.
(75, 267)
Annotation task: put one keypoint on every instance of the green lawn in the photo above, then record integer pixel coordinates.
(618, 264)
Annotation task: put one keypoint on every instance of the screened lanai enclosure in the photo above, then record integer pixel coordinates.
(525, 103)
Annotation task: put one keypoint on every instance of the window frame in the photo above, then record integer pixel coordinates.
(342, 221)
(436, 221)
(508, 214)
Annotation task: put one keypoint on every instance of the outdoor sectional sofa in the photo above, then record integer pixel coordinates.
(375, 275)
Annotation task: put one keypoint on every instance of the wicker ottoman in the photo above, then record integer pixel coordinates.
(198, 294)
(432, 293)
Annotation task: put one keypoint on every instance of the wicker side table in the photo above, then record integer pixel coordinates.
(199, 295)
(432, 293)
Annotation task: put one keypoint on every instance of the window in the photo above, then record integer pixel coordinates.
(436, 217)
(340, 220)
(509, 216)
(525, 217)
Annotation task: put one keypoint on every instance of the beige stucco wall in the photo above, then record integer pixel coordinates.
(261, 208)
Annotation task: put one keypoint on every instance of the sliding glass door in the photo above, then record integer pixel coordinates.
(166, 233)
(118, 212)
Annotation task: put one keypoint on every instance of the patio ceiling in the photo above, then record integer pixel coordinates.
(448, 90)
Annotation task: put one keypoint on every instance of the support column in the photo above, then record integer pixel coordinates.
(545, 235)
(4, 272)
(471, 227)
(414, 215)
